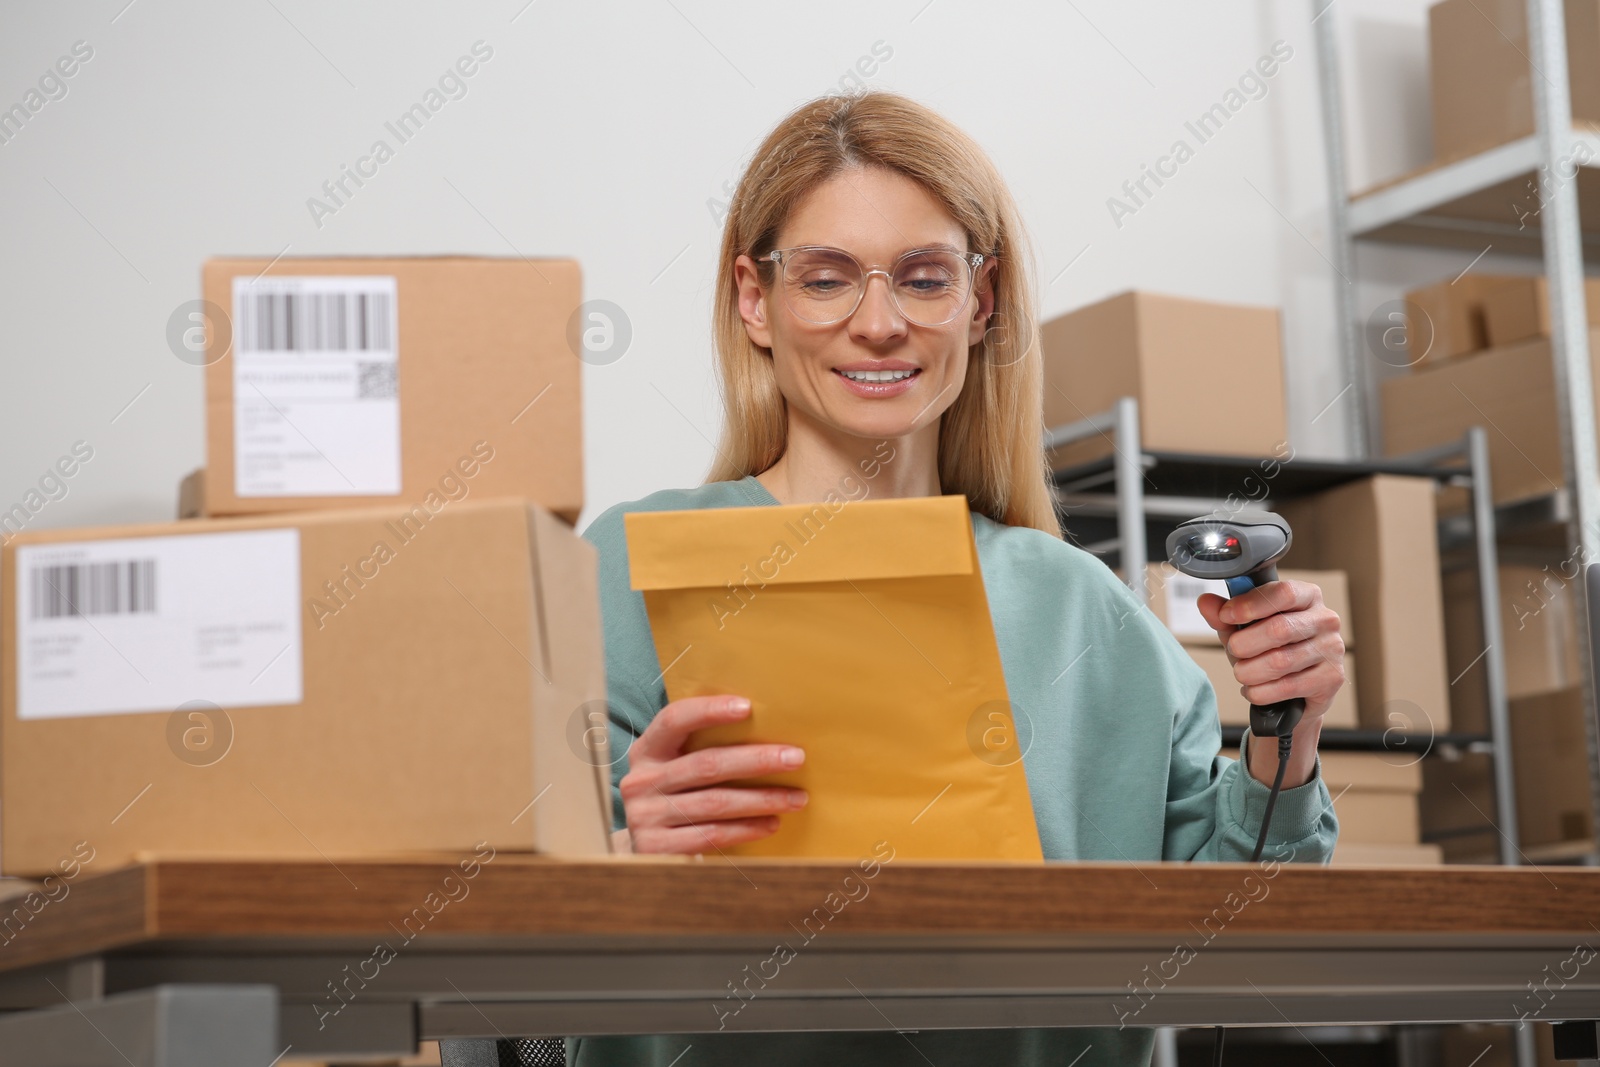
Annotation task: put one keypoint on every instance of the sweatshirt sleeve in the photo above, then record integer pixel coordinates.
(1214, 806)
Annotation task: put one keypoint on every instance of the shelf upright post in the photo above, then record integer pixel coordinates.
(1483, 531)
(1130, 496)
(1359, 420)
(1560, 228)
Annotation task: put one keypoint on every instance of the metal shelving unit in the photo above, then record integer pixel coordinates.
(1151, 492)
(1479, 203)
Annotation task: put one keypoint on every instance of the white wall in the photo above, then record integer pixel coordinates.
(604, 131)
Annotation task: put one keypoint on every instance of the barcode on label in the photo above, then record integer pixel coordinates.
(315, 321)
(112, 587)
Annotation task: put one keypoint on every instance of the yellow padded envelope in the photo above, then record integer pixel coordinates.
(860, 631)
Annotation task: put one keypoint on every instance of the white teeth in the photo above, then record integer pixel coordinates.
(877, 375)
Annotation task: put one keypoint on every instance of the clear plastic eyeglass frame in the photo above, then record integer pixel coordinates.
(946, 312)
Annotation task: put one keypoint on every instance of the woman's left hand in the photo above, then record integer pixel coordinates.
(1292, 647)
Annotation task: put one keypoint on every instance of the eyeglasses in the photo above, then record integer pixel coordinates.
(822, 286)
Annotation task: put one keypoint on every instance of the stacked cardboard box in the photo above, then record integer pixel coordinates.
(1164, 351)
(281, 684)
(1482, 85)
(1551, 767)
(1173, 597)
(339, 382)
(1381, 531)
(1375, 798)
(1510, 391)
(278, 681)
(1446, 320)
(1538, 627)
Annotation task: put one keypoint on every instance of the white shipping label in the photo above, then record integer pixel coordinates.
(316, 388)
(150, 623)
(1183, 614)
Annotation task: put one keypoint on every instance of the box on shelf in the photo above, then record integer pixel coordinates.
(1453, 310)
(1482, 88)
(1539, 635)
(1165, 351)
(1173, 597)
(330, 684)
(1375, 798)
(345, 382)
(1234, 710)
(1361, 855)
(1518, 309)
(1550, 764)
(1382, 532)
(1508, 391)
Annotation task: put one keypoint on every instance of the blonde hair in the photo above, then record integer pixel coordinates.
(991, 439)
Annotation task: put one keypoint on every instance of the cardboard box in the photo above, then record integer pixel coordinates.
(1551, 756)
(1360, 855)
(1482, 88)
(1173, 595)
(326, 684)
(1452, 314)
(1382, 532)
(1374, 796)
(1165, 351)
(401, 370)
(1508, 391)
(191, 494)
(1234, 710)
(1518, 309)
(1539, 635)
(1551, 766)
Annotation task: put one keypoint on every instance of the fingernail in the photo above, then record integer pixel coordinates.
(797, 798)
(792, 757)
(739, 704)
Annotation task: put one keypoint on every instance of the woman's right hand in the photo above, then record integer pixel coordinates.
(676, 802)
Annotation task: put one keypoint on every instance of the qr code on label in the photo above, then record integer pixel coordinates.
(377, 380)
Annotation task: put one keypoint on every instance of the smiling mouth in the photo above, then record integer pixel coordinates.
(878, 377)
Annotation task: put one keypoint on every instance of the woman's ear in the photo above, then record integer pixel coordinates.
(752, 302)
(982, 303)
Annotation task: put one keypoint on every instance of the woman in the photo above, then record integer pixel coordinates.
(936, 375)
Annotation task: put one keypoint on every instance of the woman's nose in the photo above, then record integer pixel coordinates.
(877, 316)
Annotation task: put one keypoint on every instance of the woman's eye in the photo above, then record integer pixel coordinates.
(821, 285)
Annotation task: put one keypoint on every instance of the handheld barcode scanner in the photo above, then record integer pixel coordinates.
(1242, 551)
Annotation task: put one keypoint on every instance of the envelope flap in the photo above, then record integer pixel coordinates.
(786, 543)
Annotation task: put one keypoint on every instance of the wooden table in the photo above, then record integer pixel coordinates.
(231, 961)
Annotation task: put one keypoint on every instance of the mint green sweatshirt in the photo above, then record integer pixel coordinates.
(1123, 766)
